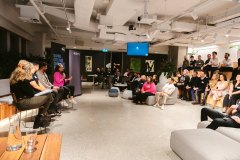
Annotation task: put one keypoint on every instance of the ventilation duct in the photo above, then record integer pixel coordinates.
(29, 14)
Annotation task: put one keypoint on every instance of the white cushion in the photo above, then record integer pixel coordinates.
(204, 144)
(7, 99)
(233, 133)
(203, 124)
(127, 94)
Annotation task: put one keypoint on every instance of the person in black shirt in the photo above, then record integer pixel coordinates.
(232, 119)
(137, 89)
(97, 79)
(207, 66)
(193, 86)
(117, 78)
(199, 63)
(236, 71)
(192, 63)
(183, 80)
(22, 86)
(201, 86)
(233, 95)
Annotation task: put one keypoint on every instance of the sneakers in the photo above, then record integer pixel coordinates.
(64, 103)
(162, 107)
(156, 105)
(72, 101)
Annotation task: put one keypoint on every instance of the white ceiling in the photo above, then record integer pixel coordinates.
(104, 23)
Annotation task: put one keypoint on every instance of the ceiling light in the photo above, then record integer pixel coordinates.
(228, 32)
(74, 47)
(68, 28)
(194, 15)
(148, 36)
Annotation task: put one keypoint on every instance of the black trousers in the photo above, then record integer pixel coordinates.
(206, 93)
(187, 94)
(232, 101)
(219, 119)
(211, 69)
(68, 91)
(142, 96)
(181, 90)
(42, 102)
(226, 69)
(199, 92)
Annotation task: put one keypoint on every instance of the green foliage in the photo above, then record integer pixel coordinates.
(167, 67)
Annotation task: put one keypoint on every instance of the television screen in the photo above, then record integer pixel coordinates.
(137, 48)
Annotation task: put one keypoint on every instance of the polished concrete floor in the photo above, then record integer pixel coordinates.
(104, 128)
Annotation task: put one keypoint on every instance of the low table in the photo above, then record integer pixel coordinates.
(121, 86)
(92, 75)
(47, 148)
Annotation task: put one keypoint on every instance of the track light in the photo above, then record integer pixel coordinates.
(68, 28)
(228, 33)
(194, 15)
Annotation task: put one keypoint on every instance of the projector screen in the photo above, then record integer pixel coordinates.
(137, 48)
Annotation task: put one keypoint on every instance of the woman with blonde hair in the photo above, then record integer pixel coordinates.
(22, 86)
(220, 90)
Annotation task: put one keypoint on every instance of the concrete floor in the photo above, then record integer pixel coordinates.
(104, 128)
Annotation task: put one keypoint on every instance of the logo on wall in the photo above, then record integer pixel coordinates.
(149, 65)
(88, 63)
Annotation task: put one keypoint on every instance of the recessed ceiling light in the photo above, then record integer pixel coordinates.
(228, 32)
(105, 1)
(74, 47)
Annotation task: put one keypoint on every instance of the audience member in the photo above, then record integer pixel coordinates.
(214, 63)
(183, 80)
(155, 80)
(200, 88)
(232, 119)
(226, 65)
(22, 86)
(97, 78)
(192, 63)
(220, 89)
(207, 65)
(148, 89)
(137, 86)
(191, 87)
(185, 64)
(209, 87)
(236, 71)
(60, 79)
(117, 78)
(199, 63)
(167, 90)
(233, 95)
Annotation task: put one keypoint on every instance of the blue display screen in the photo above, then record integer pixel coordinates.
(137, 49)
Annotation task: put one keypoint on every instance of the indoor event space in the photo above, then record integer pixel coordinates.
(119, 79)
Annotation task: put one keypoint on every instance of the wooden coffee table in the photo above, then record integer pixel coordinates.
(47, 148)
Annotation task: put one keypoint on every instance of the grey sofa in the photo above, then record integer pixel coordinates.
(151, 100)
(206, 144)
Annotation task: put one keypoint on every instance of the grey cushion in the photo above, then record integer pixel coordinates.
(7, 99)
(127, 94)
(151, 100)
(113, 92)
(5, 86)
(204, 144)
(233, 133)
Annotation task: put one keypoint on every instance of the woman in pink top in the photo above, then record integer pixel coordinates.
(60, 80)
(148, 89)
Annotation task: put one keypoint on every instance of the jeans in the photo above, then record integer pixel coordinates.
(219, 119)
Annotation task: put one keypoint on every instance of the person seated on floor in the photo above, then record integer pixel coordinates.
(236, 71)
(192, 63)
(199, 63)
(226, 65)
(212, 84)
(117, 78)
(43, 79)
(137, 86)
(59, 79)
(23, 87)
(97, 78)
(220, 90)
(200, 88)
(148, 89)
(231, 119)
(167, 91)
(207, 65)
(233, 94)
(181, 84)
(191, 87)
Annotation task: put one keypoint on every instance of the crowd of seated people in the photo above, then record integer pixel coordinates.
(27, 80)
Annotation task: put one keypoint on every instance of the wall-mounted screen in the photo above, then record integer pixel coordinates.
(137, 48)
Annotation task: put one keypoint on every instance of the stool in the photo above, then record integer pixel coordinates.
(127, 94)
(113, 92)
